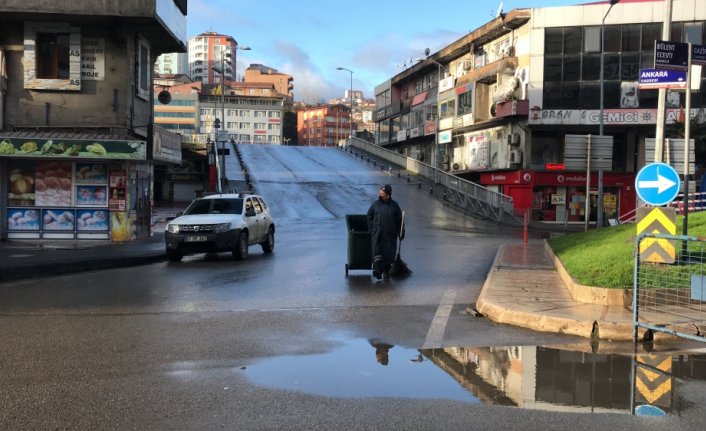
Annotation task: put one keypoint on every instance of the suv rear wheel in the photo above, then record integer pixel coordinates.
(269, 243)
(241, 249)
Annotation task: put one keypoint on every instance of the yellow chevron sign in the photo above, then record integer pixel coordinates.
(653, 380)
(660, 221)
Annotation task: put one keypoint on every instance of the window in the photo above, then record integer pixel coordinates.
(591, 67)
(572, 40)
(553, 41)
(631, 38)
(693, 33)
(552, 68)
(52, 56)
(260, 126)
(274, 114)
(465, 103)
(260, 114)
(572, 68)
(143, 70)
(417, 118)
(431, 112)
(447, 108)
(418, 84)
(612, 38)
(630, 67)
(592, 39)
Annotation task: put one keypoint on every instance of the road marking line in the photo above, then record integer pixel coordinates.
(436, 331)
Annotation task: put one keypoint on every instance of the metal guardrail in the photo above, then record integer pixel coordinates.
(465, 194)
(670, 298)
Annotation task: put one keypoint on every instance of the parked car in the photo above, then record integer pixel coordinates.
(219, 223)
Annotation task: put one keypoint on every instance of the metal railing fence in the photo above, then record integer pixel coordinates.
(670, 298)
(465, 194)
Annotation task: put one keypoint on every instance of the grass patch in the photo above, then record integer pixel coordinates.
(604, 257)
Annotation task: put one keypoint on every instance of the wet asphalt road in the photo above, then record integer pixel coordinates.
(211, 343)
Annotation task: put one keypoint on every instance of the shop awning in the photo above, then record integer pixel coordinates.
(419, 98)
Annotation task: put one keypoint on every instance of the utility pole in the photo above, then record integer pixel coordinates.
(662, 94)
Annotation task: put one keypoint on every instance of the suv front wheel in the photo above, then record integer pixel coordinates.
(241, 249)
(174, 256)
(269, 243)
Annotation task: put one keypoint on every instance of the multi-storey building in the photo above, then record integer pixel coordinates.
(283, 83)
(77, 140)
(174, 63)
(514, 91)
(324, 126)
(211, 50)
(253, 114)
(180, 114)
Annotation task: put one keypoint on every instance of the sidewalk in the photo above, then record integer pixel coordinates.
(22, 259)
(523, 288)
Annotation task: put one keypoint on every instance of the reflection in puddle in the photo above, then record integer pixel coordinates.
(527, 377)
(355, 370)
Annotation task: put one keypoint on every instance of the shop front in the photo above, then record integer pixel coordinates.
(75, 189)
(560, 197)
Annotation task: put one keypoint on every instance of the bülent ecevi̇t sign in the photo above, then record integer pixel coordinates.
(73, 148)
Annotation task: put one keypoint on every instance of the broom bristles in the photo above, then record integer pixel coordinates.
(399, 267)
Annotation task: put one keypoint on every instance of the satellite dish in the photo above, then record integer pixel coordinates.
(164, 97)
(426, 52)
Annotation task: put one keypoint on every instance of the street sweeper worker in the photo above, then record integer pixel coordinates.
(385, 222)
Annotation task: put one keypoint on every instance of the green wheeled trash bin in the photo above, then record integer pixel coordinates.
(359, 242)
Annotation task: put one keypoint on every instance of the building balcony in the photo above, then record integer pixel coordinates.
(488, 74)
(510, 108)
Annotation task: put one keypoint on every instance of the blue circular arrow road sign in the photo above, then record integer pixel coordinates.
(657, 184)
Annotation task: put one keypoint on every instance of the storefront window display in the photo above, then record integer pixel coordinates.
(45, 198)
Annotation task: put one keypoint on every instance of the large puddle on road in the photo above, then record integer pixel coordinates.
(527, 377)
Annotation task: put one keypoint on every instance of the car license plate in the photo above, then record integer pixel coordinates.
(195, 238)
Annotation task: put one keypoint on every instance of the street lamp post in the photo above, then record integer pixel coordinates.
(351, 96)
(438, 149)
(224, 123)
(599, 203)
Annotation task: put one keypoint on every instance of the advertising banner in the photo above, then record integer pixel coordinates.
(72, 148)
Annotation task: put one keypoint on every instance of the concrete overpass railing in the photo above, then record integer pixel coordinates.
(465, 194)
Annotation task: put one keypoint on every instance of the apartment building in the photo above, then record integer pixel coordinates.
(505, 105)
(173, 63)
(325, 125)
(283, 83)
(78, 144)
(211, 50)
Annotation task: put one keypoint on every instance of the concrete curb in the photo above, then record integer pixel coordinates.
(615, 331)
(588, 294)
(504, 314)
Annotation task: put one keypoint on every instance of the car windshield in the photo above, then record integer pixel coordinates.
(215, 206)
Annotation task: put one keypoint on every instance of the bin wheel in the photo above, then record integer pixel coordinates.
(346, 270)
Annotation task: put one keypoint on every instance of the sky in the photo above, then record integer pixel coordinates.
(309, 39)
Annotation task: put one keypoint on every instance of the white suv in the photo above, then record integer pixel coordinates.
(221, 222)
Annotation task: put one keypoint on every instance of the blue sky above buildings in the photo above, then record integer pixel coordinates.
(310, 38)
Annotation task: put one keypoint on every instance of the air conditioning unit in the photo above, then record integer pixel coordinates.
(513, 139)
(515, 157)
(457, 166)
